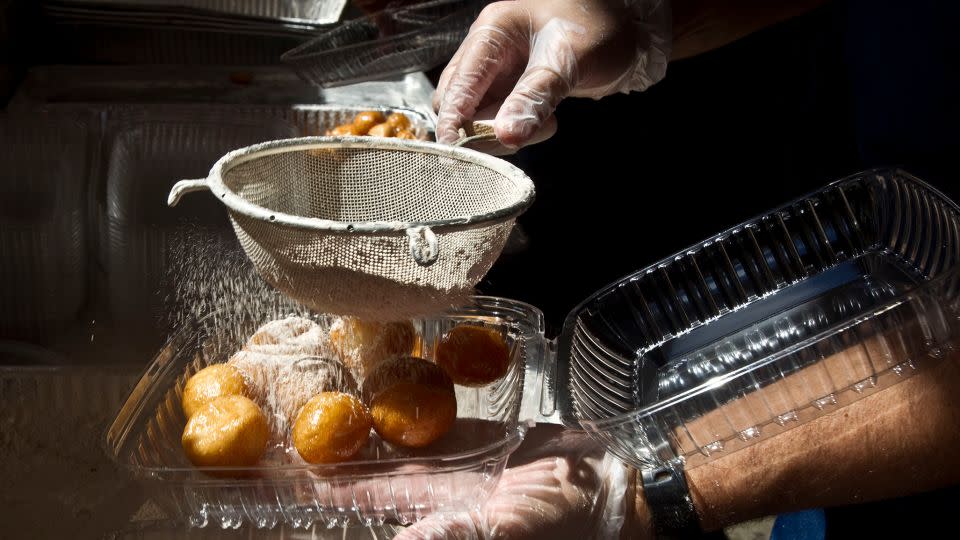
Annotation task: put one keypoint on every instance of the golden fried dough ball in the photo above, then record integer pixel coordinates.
(229, 431)
(361, 345)
(413, 415)
(211, 382)
(331, 427)
(366, 120)
(404, 134)
(412, 401)
(473, 355)
(399, 121)
(345, 130)
(382, 130)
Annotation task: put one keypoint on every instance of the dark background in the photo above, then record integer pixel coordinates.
(727, 135)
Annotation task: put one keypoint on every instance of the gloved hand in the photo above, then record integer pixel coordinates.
(522, 57)
(558, 484)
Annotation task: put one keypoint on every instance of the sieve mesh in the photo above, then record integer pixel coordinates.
(360, 184)
(340, 224)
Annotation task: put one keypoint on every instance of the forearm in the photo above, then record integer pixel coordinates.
(899, 441)
(703, 25)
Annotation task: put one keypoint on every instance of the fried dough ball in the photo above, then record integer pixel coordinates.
(332, 427)
(345, 130)
(260, 371)
(362, 345)
(473, 355)
(399, 121)
(411, 400)
(299, 381)
(382, 130)
(291, 336)
(228, 431)
(367, 119)
(413, 415)
(212, 382)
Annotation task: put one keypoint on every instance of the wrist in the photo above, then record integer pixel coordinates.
(654, 27)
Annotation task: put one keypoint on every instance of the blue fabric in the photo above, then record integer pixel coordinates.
(806, 525)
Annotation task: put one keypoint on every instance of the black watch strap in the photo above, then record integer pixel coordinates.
(668, 501)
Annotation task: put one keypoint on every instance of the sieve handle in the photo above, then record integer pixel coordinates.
(480, 130)
(423, 245)
(185, 186)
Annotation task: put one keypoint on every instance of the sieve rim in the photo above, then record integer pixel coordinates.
(236, 203)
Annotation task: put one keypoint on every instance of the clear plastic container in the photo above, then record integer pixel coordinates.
(772, 323)
(455, 473)
(313, 12)
(163, 529)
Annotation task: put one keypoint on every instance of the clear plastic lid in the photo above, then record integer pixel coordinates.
(772, 323)
(43, 221)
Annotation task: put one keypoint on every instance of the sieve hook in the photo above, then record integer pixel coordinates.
(185, 186)
(423, 245)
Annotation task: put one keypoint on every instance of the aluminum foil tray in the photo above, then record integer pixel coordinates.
(314, 12)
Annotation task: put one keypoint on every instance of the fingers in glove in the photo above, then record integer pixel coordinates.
(499, 35)
(495, 148)
(551, 74)
(458, 526)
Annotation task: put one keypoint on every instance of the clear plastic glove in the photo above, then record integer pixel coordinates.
(522, 57)
(558, 484)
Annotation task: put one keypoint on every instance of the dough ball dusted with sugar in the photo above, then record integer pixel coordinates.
(295, 336)
(362, 345)
(299, 381)
(261, 372)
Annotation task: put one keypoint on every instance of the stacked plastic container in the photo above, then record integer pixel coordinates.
(43, 225)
